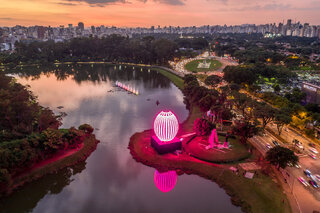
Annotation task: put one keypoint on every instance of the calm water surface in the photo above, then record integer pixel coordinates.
(110, 180)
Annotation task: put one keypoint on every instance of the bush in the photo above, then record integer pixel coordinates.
(213, 80)
(4, 176)
(309, 132)
(86, 128)
(202, 127)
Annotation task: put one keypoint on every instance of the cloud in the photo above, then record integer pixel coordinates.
(99, 3)
(66, 4)
(171, 2)
(6, 18)
(272, 6)
(102, 3)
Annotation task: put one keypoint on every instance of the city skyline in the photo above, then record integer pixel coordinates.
(147, 13)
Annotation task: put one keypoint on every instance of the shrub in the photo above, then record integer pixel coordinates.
(202, 127)
(86, 128)
(213, 80)
(309, 132)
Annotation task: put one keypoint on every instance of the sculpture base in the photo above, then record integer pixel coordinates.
(165, 147)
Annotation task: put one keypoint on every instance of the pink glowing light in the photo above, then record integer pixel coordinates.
(165, 181)
(166, 126)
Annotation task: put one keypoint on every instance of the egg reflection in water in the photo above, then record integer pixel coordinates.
(165, 181)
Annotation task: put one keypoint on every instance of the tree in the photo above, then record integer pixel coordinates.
(282, 119)
(281, 156)
(276, 88)
(296, 96)
(206, 102)
(212, 80)
(245, 130)
(265, 112)
(239, 75)
(241, 101)
(202, 127)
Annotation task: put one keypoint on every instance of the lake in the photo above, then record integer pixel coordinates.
(110, 180)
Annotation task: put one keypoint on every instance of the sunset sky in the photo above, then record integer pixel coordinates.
(132, 13)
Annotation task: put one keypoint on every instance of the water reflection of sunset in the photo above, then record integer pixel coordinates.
(55, 92)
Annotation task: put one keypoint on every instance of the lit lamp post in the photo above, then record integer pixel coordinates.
(165, 127)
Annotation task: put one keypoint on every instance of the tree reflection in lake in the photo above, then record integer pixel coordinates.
(111, 181)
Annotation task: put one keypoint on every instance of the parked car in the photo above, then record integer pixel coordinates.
(307, 172)
(268, 146)
(317, 177)
(303, 181)
(313, 183)
(314, 150)
(275, 143)
(312, 145)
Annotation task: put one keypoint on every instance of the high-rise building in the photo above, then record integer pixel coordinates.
(41, 31)
(93, 30)
(289, 23)
(81, 26)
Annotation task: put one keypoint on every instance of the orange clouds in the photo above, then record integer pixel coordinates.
(155, 12)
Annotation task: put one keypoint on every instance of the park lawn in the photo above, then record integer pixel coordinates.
(193, 66)
(261, 193)
(178, 81)
(237, 153)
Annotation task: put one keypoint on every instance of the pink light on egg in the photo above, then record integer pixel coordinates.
(165, 181)
(166, 126)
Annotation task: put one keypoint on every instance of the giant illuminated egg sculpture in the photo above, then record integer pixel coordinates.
(165, 127)
(165, 181)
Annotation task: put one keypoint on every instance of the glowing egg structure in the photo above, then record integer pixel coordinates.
(166, 126)
(127, 88)
(165, 181)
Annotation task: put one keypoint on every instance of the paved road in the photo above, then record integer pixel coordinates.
(308, 198)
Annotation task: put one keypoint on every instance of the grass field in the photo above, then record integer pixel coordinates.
(237, 153)
(174, 78)
(193, 66)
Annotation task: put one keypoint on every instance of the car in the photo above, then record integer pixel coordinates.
(314, 184)
(317, 177)
(313, 156)
(313, 177)
(275, 143)
(290, 164)
(312, 145)
(268, 146)
(314, 150)
(297, 166)
(307, 172)
(303, 181)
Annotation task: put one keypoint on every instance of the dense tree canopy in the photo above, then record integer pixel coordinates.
(20, 114)
(281, 156)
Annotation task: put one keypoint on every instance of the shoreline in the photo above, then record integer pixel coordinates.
(141, 151)
(52, 165)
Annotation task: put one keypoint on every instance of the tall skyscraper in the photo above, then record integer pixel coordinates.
(81, 26)
(289, 23)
